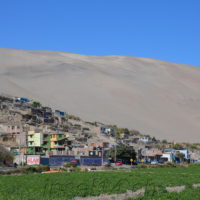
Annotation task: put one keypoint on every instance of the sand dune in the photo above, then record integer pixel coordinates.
(158, 98)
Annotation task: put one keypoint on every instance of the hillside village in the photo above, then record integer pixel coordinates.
(36, 134)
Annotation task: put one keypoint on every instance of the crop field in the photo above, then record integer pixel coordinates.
(68, 185)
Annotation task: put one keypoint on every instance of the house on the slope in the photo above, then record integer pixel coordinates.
(23, 99)
(110, 131)
(174, 151)
(144, 139)
(58, 112)
(101, 129)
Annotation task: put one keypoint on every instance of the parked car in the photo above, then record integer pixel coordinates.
(107, 164)
(118, 163)
(162, 160)
(154, 162)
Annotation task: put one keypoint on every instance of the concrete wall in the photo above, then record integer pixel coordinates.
(31, 159)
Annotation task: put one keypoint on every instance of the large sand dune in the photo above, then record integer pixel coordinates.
(158, 98)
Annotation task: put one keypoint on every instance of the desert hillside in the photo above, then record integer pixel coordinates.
(157, 98)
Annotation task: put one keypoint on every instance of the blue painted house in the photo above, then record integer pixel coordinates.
(23, 99)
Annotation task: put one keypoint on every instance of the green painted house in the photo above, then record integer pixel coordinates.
(42, 142)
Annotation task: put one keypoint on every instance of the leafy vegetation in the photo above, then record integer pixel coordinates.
(164, 141)
(180, 155)
(26, 170)
(122, 152)
(63, 185)
(5, 154)
(68, 164)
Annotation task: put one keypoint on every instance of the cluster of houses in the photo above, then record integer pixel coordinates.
(46, 136)
(27, 111)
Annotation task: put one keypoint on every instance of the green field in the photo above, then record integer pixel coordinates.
(68, 185)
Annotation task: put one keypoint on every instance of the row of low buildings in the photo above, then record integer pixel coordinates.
(43, 141)
(152, 154)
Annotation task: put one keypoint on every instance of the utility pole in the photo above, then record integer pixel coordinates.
(19, 156)
(171, 151)
(102, 154)
(115, 148)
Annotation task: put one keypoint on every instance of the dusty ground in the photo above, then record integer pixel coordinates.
(129, 193)
(157, 98)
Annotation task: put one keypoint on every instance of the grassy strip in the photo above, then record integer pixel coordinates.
(62, 186)
(26, 170)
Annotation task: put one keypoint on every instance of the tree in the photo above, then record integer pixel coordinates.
(122, 152)
(180, 155)
(164, 141)
(126, 131)
(193, 146)
(5, 154)
(178, 146)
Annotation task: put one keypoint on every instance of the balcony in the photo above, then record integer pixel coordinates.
(53, 139)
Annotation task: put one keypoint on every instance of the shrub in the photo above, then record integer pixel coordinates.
(164, 141)
(68, 164)
(194, 164)
(7, 172)
(42, 168)
(15, 171)
(63, 169)
(70, 116)
(141, 165)
(31, 169)
(76, 169)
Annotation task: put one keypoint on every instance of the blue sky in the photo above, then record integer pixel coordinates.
(163, 29)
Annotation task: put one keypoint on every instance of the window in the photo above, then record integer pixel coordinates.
(60, 136)
(31, 143)
(56, 142)
(13, 127)
(18, 127)
(18, 133)
(31, 136)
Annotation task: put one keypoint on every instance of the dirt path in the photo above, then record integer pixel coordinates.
(131, 194)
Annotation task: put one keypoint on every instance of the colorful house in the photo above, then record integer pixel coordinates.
(42, 142)
(34, 142)
(23, 99)
(37, 103)
(56, 141)
(58, 112)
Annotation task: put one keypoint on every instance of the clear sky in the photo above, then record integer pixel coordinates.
(163, 29)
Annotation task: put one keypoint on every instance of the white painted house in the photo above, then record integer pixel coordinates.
(144, 139)
(110, 130)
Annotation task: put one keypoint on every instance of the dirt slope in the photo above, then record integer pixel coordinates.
(158, 98)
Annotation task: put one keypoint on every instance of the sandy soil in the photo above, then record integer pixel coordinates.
(158, 98)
